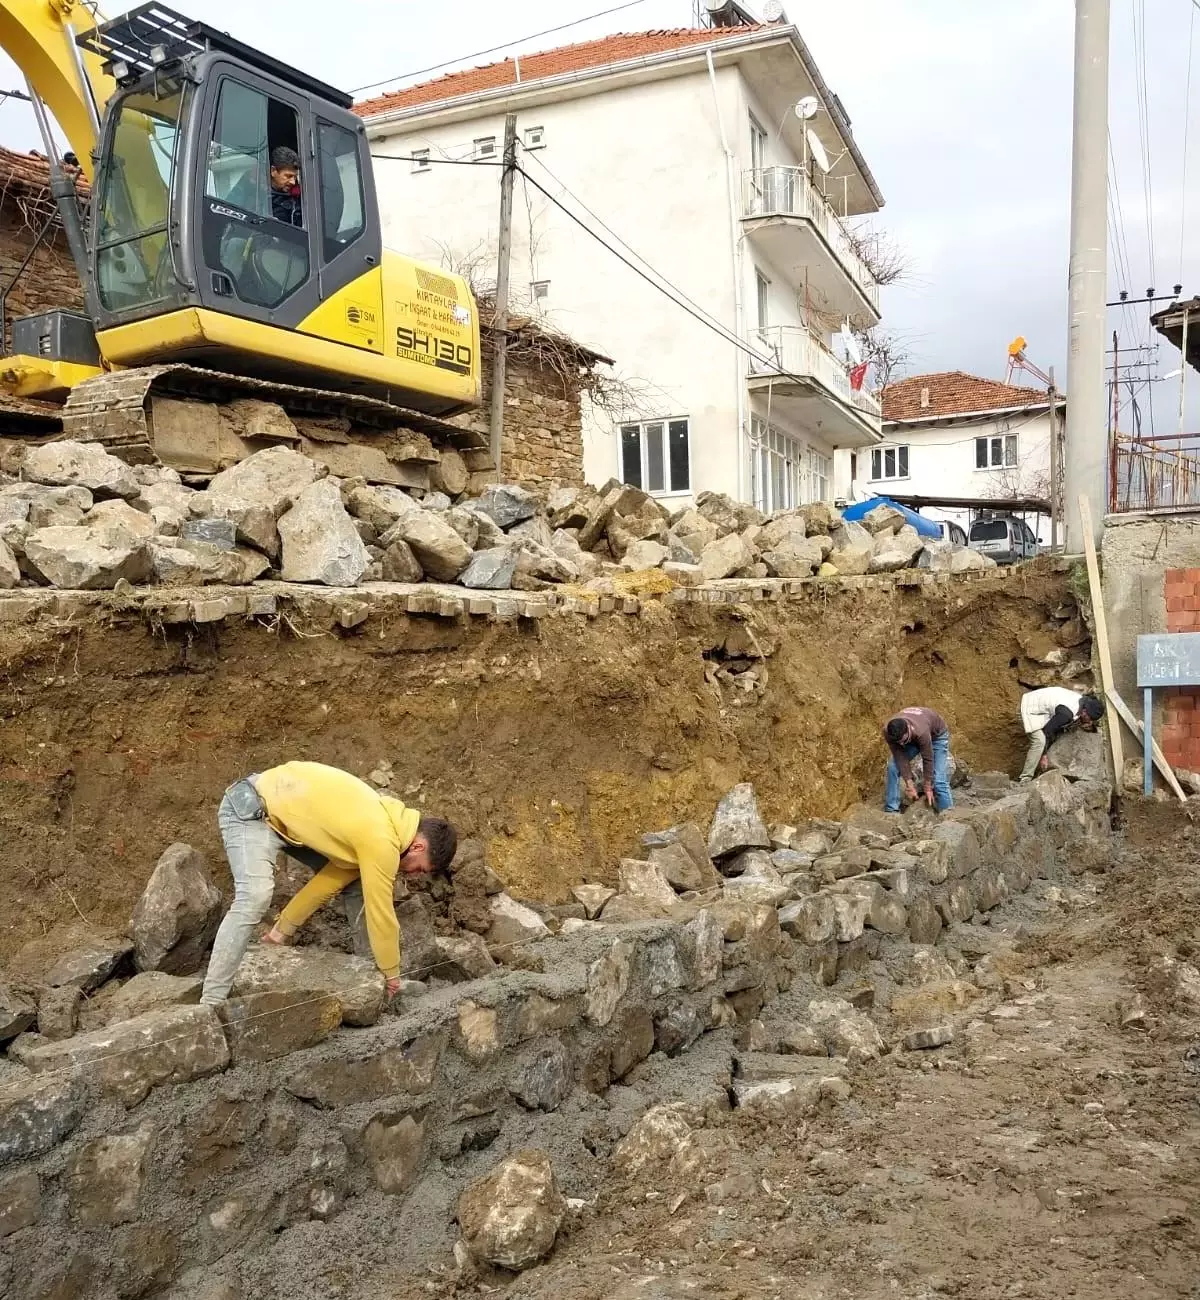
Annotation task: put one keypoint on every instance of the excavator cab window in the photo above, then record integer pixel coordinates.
(253, 233)
(133, 201)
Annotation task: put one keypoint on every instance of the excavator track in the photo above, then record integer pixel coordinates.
(199, 421)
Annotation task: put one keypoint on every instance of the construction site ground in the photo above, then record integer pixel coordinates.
(1048, 1153)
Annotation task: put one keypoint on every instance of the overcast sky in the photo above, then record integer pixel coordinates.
(961, 107)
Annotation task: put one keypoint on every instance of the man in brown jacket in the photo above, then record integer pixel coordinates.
(918, 731)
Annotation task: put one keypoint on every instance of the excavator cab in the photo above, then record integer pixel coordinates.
(200, 250)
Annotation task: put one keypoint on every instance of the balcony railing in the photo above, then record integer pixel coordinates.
(1154, 473)
(792, 350)
(788, 192)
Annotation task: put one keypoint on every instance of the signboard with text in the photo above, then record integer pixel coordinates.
(1168, 659)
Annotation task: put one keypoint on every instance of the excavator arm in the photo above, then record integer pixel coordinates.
(39, 36)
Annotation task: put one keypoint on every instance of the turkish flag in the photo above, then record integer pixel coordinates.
(857, 375)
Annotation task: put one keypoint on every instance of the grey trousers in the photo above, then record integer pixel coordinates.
(1037, 747)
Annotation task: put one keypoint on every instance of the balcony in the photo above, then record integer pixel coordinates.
(810, 386)
(798, 230)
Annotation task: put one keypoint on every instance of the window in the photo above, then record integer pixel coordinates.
(996, 453)
(820, 472)
(758, 146)
(133, 256)
(763, 287)
(889, 462)
(784, 472)
(535, 137)
(655, 456)
(485, 147)
(266, 261)
(539, 291)
(420, 160)
(342, 212)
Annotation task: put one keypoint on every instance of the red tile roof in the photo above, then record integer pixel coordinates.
(953, 392)
(28, 173)
(549, 63)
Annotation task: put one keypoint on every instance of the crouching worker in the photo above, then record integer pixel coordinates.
(327, 819)
(913, 732)
(1050, 713)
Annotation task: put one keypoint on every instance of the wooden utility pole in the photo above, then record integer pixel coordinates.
(500, 324)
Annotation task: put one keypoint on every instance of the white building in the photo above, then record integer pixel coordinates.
(956, 437)
(685, 147)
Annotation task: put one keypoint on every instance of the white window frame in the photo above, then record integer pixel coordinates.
(420, 160)
(535, 137)
(643, 445)
(484, 147)
(901, 450)
(539, 291)
(820, 476)
(1010, 452)
(762, 300)
(785, 471)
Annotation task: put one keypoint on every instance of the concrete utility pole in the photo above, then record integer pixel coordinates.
(500, 325)
(1086, 455)
(1055, 465)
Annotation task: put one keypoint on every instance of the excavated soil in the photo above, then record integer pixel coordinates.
(1048, 1153)
(557, 741)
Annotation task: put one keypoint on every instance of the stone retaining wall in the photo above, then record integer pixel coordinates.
(184, 1139)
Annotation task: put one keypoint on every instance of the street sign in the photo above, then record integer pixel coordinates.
(1168, 659)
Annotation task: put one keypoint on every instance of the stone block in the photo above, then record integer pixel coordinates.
(176, 917)
(990, 888)
(853, 548)
(79, 464)
(478, 1031)
(36, 1114)
(396, 1150)
(630, 1041)
(506, 504)
(593, 897)
(513, 923)
(343, 1081)
(702, 944)
(512, 1216)
(88, 968)
(662, 968)
(923, 1039)
(536, 1015)
(58, 1012)
(677, 1029)
(737, 825)
(491, 569)
(924, 920)
(20, 1202)
(354, 981)
(544, 1079)
(955, 900)
(17, 1012)
(440, 551)
(662, 1140)
(846, 1032)
(147, 991)
(263, 1026)
(319, 540)
(127, 1060)
(103, 1179)
(608, 982)
(646, 883)
(682, 856)
(962, 848)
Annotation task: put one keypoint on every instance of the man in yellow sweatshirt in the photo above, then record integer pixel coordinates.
(325, 816)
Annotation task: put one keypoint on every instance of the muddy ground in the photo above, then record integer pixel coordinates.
(558, 741)
(1049, 1152)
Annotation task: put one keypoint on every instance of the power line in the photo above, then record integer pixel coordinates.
(1142, 89)
(494, 49)
(1187, 94)
(438, 162)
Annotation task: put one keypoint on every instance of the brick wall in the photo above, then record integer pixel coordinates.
(543, 421)
(50, 280)
(1181, 705)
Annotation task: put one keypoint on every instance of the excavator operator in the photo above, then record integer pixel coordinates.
(285, 186)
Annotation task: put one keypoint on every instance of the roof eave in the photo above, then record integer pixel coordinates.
(511, 92)
(970, 415)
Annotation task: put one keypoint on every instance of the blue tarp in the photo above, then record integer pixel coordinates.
(925, 527)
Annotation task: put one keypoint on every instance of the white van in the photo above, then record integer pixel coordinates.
(1004, 538)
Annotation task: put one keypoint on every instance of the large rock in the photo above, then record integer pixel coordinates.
(538, 566)
(511, 1217)
(20, 1203)
(1080, 756)
(103, 1179)
(88, 558)
(721, 511)
(256, 491)
(440, 551)
(129, 1059)
(264, 1026)
(81, 464)
(354, 981)
(646, 554)
(737, 824)
(58, 1012)
(397, 1149)
(450, 475)
(646, 883)
(380, 506)
(400, 564)
(853, 548)
(506, 504)
(36, 1114)
(725, 556)
(17, 1012)
(883, 519)
(894, 551)
(786, 526)
(148, 991)
(342, 1080)
(491, 569)
(965, 560)
(121, 515)
(674, 849)
(513, 924)
(176, 918)
(10, 570)
(88, 968)
(794, 557)
(846, 1032)
(662, 1140)
(186, 563)
(545, 1078)
(320, 542)
(608, 982)
(168, 504)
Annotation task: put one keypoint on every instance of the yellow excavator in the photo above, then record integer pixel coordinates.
(198, 282)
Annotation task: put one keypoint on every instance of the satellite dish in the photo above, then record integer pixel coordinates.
(817, 149)
(773, 12)
(807, 108)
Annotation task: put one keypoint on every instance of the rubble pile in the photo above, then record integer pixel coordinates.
(76, 517)
(160, 1137)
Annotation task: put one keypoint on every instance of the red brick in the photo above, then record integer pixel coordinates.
(1191, 575)
(1174, 604)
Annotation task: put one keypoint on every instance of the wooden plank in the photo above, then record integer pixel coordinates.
(1106, 677)
(1160, 760)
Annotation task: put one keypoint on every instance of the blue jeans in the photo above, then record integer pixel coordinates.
(941, 780)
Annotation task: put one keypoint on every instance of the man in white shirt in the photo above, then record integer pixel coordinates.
(1050, 713)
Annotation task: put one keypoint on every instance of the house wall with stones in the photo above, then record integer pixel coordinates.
(50, 280)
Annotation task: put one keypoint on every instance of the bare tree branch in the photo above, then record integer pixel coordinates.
(882, 256)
